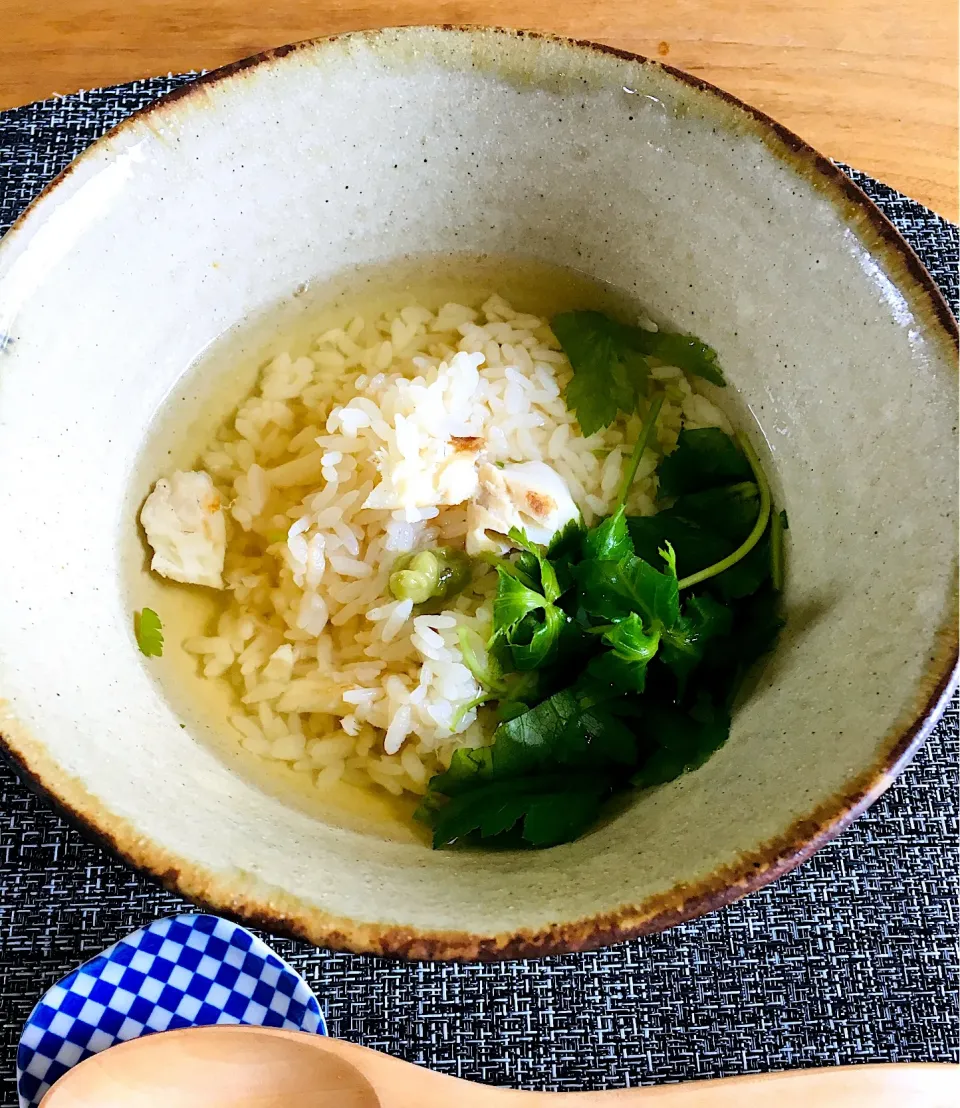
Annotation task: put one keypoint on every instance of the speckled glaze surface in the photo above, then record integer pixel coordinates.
(222, 200)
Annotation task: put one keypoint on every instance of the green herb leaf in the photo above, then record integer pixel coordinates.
(521, 542)
(566, 542)
(683, 646)
(564, 551)
(709, 522)
(529, 568)
(566, 731)
(149, 632)
(553, 809)
(534, 640)
(564, 815)
(609, 541)
(608, 374)
(510, 709)
(695, 547)
(728, 510)
(685, 740)
(562, 731)
(757, 532)
(611, 367)
(612, 590)
(704, 459)
(630, 641)
(623, 669)
(684, 351)
(757, 626)
(608, 676)
(534, 566)
(513, 601)
(747, 575)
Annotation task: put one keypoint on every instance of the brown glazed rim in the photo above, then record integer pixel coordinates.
(280, 912)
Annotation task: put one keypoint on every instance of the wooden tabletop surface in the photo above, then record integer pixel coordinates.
(872, 82)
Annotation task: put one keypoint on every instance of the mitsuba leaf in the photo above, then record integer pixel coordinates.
(758, 625)
(563, 730)
(609, 373)
(685, 351)
(612, 590)
(566, 542)
(622, 670)
(682, 647)
(513, 601)
(610, 363)
(684, 740)
(729, 511)
(609, 541)
(550, 810)
(629, 640)
(551, 766)
(535, 638)
(704, 458)
(747, 575)
(564, 815)
(567, 731)
(695, 547)
(534, 566)
(707, 520)
(611, 675)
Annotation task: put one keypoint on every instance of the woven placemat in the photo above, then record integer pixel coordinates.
(851, 958)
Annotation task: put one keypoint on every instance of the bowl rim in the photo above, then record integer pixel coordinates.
(284, 914)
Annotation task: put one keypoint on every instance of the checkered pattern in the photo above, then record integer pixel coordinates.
(184, 971)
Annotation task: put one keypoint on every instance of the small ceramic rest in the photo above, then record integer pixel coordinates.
(184, 971)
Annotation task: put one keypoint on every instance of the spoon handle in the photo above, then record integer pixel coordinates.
(922, 1085)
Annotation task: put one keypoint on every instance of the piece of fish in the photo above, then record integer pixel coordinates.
(531, 496)
(185, 526)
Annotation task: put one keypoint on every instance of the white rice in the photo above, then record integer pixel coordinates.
(332, 675)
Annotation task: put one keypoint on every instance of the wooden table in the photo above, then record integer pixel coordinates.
(872, 82)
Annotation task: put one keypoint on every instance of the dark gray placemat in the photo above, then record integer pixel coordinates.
(851, 958)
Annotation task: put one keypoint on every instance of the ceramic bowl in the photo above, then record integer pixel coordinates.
(238, 191)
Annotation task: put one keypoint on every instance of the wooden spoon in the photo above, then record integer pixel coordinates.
(259, 1067)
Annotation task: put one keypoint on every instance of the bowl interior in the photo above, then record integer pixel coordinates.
(229, 203)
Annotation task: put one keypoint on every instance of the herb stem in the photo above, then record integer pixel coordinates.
(469, 706)
(471, 647)
(763, 518)
(743, 488)
(776, 552)
(641, 444)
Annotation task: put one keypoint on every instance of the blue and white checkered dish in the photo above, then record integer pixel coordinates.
(184, 971)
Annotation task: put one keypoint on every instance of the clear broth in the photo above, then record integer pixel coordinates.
(207, 395)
